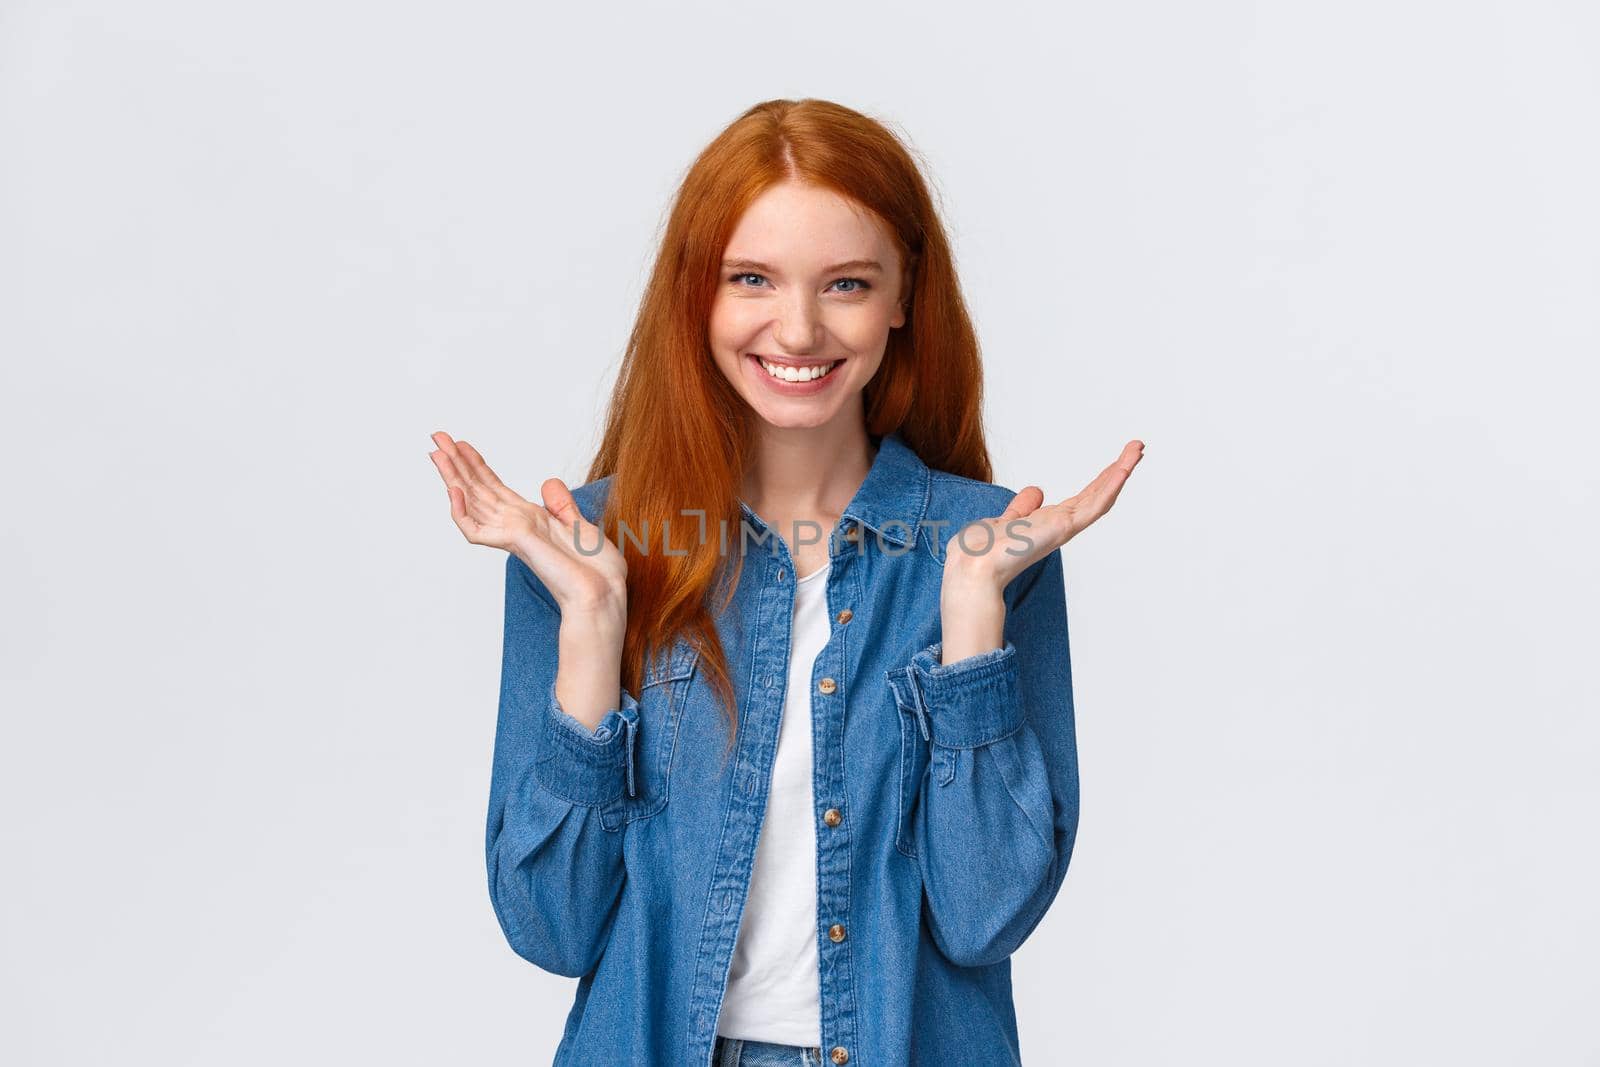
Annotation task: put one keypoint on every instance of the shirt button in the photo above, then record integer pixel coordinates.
(827, 685)
(852, 533)
(832, 817)
(839, 1055)
(846, 615)
(836, 933)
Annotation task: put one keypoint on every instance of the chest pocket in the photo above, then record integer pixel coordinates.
(661, 698)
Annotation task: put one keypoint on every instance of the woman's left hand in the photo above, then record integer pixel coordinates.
(981, 559)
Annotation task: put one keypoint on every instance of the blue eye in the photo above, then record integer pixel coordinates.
(861, 286)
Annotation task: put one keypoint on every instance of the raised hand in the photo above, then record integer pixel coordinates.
(978, 557)
(554, 540)
(979, 563)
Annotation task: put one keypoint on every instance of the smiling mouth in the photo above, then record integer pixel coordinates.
(798, 372)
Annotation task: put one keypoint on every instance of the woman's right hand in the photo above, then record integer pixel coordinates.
(546, 538)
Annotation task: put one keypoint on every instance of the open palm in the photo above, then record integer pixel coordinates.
(1000, 555)
(556, 542)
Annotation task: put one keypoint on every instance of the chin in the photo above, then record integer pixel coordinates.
(795, 420)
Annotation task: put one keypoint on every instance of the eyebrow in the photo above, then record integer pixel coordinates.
(762, 268)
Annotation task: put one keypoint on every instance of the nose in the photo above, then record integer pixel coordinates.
(799, 323)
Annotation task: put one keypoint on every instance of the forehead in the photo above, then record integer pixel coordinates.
(807, 225)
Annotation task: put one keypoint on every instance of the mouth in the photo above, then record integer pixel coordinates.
(795, 371)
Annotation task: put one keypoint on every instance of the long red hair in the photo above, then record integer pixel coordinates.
(677, 434)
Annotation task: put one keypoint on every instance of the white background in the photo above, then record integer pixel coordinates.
(1336, 264)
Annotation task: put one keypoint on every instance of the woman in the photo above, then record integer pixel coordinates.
(785, 766)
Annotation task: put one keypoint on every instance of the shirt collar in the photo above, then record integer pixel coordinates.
(893, 500)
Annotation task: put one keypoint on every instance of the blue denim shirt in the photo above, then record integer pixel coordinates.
(946, 797)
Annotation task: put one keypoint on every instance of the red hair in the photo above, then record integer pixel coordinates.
(677, 434)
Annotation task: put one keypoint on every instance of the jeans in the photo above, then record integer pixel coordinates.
(734, 1052)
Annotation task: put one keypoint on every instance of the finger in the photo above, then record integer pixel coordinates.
(1116, 475)
(1110, 488)
(447, 468)
(1095, 498)
(1098, 496)
(1024, 506)
(1050, 525)
(1132, 453)
(458, 512)
(466, 474)
(559, 502)
(440, 445)
(446, 460)
(1023, 503)
(481, 469)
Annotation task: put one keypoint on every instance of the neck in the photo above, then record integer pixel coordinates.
(808, 473)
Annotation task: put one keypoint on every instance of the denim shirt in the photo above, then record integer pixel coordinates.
(946, 797)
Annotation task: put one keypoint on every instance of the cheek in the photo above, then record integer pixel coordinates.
(729, 324)
(730, 331)
(863, 329)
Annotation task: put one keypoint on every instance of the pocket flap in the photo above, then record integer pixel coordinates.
(672, 666)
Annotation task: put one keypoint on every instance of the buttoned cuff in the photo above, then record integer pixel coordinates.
(589, 766)
(971, 702)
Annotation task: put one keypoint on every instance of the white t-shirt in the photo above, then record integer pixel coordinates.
(773, 991)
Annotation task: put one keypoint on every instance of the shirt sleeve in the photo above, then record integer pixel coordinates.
(555, 868)
(996, 814)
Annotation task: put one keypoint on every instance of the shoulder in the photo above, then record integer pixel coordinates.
(953, 498)
(591, 497)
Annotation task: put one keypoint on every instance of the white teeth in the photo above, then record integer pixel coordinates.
(797, 374)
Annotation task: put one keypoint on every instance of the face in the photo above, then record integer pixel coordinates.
(809, 289)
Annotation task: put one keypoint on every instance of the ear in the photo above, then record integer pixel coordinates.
(904, 306)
